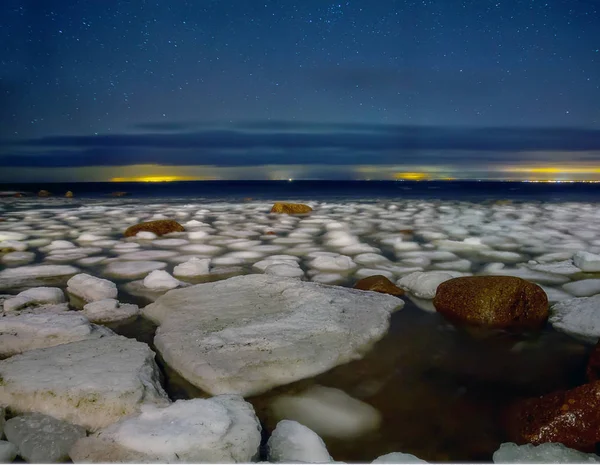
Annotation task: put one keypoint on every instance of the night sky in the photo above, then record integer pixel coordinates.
(241, 89)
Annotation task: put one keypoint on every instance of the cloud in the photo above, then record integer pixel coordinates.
(285, 143)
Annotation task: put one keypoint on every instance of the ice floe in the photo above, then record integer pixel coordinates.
(109, 311)
(89, 288)
(252, 326)
(132, 270)
(92, 383)
(579, 318)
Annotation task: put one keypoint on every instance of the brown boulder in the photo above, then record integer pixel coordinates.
(291, 208)
(378, 283)
(569, 417)
(158, 227)
(592, 370)
(119, 194)
(492, 301)
(69, 195)
(44, 193)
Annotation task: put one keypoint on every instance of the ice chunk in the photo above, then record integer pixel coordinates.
(160, 280)
(222, 429)
(91, 383)
(132, 270)
(424, 284)
(292, 442)
(328, 412)
(370, 259)
(499, 256)
(109, 311)
(89, 288)
(287, 270)
(257, 331)
(25, 277)
(8, 452)
(146, 235)
(335, 264)
(12, 236)
(565, 267)
(588, 262)
(192, 268)
(27, 331)
(583, 288)
(510, 452)
(579, 318)
(12, 246)
(20, 258)
(41, 438)
(398, 457)
(34, 297)
(145, 255)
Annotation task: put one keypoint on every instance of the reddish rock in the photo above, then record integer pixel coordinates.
(158, 227)
(378, 283)
(570, 417)
(592, 370)
(291, 208)
(492, 301)
(271, 233)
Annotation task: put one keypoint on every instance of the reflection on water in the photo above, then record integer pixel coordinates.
(440, 390)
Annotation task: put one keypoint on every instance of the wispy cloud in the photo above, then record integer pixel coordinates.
(285, 143)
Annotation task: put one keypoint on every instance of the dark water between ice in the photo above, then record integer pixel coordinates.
(441, 391)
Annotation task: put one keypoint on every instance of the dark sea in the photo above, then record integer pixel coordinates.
(477, 191)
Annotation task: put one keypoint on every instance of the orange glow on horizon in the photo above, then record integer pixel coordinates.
(412, 176)
(553, 170)
(161, 178)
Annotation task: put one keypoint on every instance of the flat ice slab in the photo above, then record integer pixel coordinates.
(25, 277)
(579, 318)
(90, 383)
(20, 333)
(256, 332)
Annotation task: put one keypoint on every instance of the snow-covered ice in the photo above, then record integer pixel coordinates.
(251, 327)
(109, 311)
(91, 383)
(89, 288)
(293, 442)
(222, 429)
(544, 453)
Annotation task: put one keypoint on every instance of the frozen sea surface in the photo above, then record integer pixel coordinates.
(438, 391)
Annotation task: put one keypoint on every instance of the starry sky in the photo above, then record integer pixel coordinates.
(277, 89)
